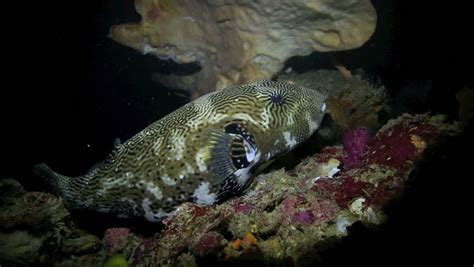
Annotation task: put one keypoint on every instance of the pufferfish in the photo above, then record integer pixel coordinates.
(204, 152)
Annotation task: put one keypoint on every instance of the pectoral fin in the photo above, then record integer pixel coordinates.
(220, 155)
(228, 153)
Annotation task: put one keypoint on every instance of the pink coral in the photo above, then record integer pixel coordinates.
(291, 202)
(328, 153)
(208, 243)
(355, 144)
(323, 210)
(199, 211)
(144, 250)
(242, 207)
(116, 239)
(351, 189)
(394, 146)
(303, 217)
(385, 191)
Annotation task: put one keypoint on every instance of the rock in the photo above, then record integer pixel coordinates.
(288, 214)
(208, 243)
(115, 239)
(34, 210)
(285, 217)
(19, 248)
(242, 41)
(36, 227)
(355, 143)
(185, 83)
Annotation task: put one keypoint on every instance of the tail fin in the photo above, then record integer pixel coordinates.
(59, 183)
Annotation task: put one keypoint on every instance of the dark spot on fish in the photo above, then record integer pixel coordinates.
(277, 99)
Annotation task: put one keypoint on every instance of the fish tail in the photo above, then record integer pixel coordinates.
(56, 181)
(61, 185)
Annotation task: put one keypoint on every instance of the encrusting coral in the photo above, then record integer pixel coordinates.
(284, 216)
(242, 41)
(35, 227)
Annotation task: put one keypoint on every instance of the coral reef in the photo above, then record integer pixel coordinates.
(241, 41)
(36, 228)
(286, 216)
(115, 240)
(355, 144)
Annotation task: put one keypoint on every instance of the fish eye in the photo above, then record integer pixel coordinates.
(277, 98)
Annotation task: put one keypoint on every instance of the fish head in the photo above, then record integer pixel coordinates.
(261, 121)
(289, 114)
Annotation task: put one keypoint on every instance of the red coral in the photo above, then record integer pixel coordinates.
(325, 185)
(394, 146)
(424, 130)
(144, 250)
(328, 153)
(291, 202)
(242, 207)
(351, 189)
(207, 243)
(290, 205)
(385, 192)
(199, 211)
(304, 217)
(324, 210)
(355, 144)
(342, 190)
(116, 239)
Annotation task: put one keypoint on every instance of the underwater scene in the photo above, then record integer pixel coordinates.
(239, 133)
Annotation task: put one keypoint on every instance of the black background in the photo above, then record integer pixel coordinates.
(69, 91)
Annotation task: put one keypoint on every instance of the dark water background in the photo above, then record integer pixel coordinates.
(76, 91)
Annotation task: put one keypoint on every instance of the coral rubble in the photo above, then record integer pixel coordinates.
(36, 228)
(286, 216)
(241, 41)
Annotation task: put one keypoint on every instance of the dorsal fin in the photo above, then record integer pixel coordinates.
(117, 142)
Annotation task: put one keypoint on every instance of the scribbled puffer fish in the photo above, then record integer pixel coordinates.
(203, 152)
